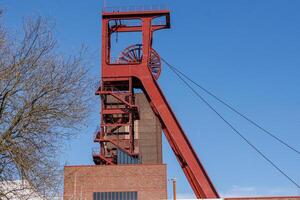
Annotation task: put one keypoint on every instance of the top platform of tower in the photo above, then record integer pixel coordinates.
(136, 11)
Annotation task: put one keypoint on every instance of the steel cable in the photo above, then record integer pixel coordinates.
(234, 109)
(232, 127)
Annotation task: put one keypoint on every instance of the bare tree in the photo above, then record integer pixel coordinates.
(43, 98)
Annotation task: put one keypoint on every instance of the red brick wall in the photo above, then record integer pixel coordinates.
(148, 180)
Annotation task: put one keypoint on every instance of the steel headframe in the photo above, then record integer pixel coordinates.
(118, 82)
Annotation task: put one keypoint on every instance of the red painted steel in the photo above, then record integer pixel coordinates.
(118, 114)
(141, 76)
(138, 66)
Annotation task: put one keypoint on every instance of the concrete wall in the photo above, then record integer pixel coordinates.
(149, 132)
(150, 181)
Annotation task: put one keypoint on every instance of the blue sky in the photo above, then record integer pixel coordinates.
(244, 51)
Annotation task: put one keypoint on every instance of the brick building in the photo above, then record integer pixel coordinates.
(146, 181)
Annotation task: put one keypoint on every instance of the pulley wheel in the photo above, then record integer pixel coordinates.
(134, 54)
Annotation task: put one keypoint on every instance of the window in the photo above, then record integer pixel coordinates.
(115, 196)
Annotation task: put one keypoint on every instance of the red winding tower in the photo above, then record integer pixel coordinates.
(136, 68)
